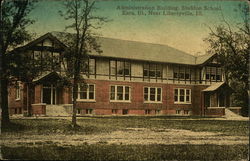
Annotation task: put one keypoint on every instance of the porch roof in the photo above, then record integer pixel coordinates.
(46, 76)
(216, 86)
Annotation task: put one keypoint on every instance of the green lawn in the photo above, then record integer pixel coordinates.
(90, 125)
(104, 151)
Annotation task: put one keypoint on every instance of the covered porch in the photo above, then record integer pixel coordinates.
(50, 96)
(216, 99)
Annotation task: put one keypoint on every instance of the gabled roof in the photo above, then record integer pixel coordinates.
(216, 86)
(125, 49)
(47, 76)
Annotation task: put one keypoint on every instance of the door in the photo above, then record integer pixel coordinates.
(49, 94)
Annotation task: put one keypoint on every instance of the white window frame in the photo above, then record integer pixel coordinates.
(18, 91)
(81, 99)
(185, 96)
(123, 93)
(156, 92)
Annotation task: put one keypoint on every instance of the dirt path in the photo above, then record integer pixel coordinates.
(128, 136)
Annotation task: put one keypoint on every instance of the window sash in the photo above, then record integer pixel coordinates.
(119, 93)
(86, 92)
(182, 95)
(91, 66)
(152, 94)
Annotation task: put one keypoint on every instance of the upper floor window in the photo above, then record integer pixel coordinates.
(182, 95)
(181, 73)
(91, 66)
(119, 93)
(213, 73)
(18, 90)
(120, 68)
(152, 70)
(152, 94)
(86, 92)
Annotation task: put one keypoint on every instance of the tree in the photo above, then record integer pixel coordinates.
(231, 43)
(13, 22)
(83, 22)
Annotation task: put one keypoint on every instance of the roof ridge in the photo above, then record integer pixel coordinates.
(131, 41)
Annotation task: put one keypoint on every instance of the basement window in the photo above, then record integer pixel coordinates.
(147, 111)
(114, 111)
(125, 111)
(89, 111)
(178, 112)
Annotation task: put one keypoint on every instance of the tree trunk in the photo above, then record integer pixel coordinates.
(74, 103)
(4, 101)
(30, 93)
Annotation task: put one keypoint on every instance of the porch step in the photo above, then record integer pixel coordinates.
(58, 110)
(231, 115)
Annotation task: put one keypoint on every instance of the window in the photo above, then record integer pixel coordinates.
(125, 111)
(18, 90)
(147, 111)
(37, 55)
(120, 93)
(178, 112)
(181, 73)
(182, 95)
(152, 94)
(186, 112)
(119, 68)
(213, 73)
(152, 70)
(79, 111)
(91, 67)
(89, 111)
(114, 111)
(86, 92)
(157, 112)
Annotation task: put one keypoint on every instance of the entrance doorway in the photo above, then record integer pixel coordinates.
(49, 94)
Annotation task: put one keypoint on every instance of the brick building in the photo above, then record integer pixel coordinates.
(129, 77)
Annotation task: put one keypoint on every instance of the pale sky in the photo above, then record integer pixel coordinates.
(184, 32)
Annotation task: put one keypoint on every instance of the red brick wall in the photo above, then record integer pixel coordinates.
(38, 93)
(38, 109)
(215, 112)
(102, 105)
(16, 106)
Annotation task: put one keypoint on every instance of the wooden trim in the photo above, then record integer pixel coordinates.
(88, 67)
(215, 74)
(109, 69)
(124, 69)
(185, 74)
(190, 79)
(210, 80)
(161, 73)
(148, 71)
(179, 68)
(95, 68)
(115, 69)
(156, 72)
(143, 71)
(130, 70)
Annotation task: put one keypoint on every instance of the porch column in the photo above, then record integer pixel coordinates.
(66, 96)
(38, 94)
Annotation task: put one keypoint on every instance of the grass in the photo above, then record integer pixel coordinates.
(103, 151)
(92, 125)
(125, 152)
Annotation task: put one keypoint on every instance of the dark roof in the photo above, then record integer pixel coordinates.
(217, 86)
(134, 50)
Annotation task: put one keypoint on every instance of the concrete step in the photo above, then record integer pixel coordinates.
(58, 110)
